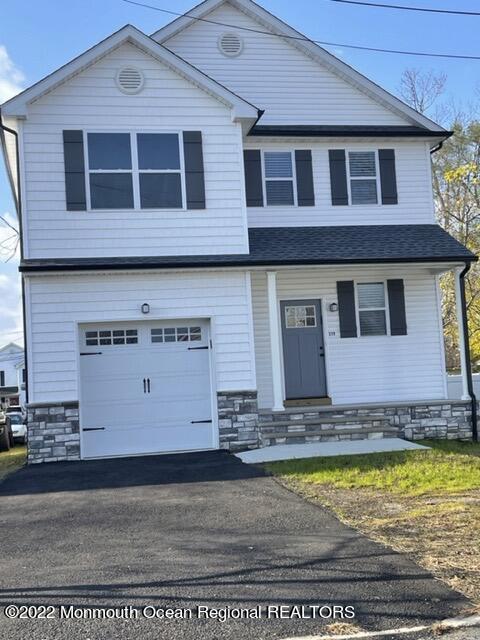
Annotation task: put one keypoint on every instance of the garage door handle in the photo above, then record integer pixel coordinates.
(148, 385)
(91, 353)
(94, 429)
(201, 422)
(197, 348)
(144, 385)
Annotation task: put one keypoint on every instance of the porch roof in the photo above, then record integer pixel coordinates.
(278, 246)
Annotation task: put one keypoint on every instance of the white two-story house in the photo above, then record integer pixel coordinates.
(228, 241)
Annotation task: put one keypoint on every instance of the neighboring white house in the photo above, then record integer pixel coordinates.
(228, 241)
(12, 374)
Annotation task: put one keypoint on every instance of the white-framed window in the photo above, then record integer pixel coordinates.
(108, 337)
(135, 170)
(300, 316)
(372, 309)
(363, 177)
(279, 179)
(176, 334)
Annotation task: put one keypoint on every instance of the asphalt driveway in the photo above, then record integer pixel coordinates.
(191, 530)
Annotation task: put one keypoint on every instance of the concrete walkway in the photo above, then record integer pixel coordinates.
(318, 449)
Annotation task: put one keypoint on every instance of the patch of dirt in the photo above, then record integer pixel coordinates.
(342, 628)
(441, 534)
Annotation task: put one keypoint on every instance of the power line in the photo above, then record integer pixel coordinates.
(406, 8)
(303, 39)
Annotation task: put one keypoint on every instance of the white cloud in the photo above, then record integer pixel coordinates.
(11, 78)
(10, 291)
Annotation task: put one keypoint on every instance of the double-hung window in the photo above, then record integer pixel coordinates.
(363, 177)
(110, 170)
(135, 171)
(279, 177)
(372, 310)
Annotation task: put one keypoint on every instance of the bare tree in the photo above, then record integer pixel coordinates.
(9, 240)
(421, 89)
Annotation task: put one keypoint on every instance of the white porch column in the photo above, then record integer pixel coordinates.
(274, 341)
(461, 337)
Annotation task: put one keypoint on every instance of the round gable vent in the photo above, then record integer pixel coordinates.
(130, 80)
(230, 44)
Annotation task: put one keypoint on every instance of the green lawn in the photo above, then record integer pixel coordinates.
(425, 503)
(448, 467)
(12, 460)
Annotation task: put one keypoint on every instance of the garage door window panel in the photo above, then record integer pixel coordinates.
(176, 334)
(107, 337)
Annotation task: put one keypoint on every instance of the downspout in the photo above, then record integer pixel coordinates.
(18, 205)
(468, 363)
(436, 148)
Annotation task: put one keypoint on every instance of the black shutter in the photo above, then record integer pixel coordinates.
(388, 177)
(346, 309)
(338, 176)
(303, 168)
(74, 170)
(194, 173)
(2, 378)
(252, 161)
(396, 304)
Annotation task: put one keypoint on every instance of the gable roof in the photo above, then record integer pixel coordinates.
(306, 46)
(242, 109)
(13, 347)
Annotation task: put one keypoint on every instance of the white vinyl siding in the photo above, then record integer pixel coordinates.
(273, 75)
(414, 206)
(168, 102)
(58, 303)
(374, 369)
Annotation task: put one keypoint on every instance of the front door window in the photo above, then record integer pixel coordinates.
(300, 316)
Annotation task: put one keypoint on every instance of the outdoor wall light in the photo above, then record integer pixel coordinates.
(145, 307)
(333, 307)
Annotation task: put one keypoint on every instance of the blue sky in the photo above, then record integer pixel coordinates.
(38, 37)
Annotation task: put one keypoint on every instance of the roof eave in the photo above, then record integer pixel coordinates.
(28, 267)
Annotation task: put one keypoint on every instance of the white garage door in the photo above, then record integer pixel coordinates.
(145, 388)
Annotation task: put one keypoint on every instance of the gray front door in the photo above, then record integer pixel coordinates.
(303, 349)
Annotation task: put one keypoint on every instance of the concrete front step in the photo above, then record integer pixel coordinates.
(326, 435)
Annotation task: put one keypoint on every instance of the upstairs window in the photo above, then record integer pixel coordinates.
(159, 167)
(110, 169)
(372, 311)
(279, 178)
(363, 175)
(135, 171)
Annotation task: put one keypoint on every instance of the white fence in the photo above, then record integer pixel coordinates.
(454, 384)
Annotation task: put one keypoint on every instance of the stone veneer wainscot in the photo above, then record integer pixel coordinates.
(53, 432)
(238, 420)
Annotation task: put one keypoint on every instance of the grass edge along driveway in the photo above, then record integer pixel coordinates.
(425, 503)
(12, 460)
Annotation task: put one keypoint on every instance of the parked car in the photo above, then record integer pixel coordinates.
(6, 436)
(14, 408)
(17, 426)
